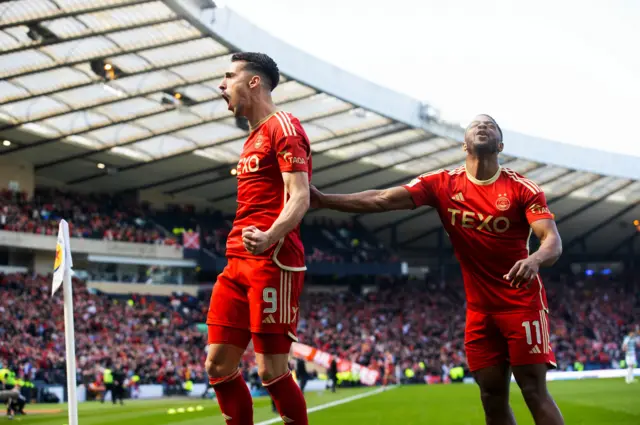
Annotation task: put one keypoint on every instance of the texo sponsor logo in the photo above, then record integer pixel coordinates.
(250, 164)
(479, 221)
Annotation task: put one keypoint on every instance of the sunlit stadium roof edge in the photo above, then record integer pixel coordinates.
(232, 29)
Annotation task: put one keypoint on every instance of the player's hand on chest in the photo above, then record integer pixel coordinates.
(486, 210)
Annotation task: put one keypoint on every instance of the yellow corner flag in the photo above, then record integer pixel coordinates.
(63, 262)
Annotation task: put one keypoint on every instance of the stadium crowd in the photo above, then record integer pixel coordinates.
(324, 239)
(420, 324)
(155, 340)
(90, 216)
(118, 218)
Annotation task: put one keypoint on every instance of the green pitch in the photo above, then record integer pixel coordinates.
(589, 402)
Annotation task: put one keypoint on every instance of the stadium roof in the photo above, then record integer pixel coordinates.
(122, 94)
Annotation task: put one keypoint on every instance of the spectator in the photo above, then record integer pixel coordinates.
(420, 324)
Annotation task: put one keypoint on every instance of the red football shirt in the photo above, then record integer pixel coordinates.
(278, 144)
(488, 223)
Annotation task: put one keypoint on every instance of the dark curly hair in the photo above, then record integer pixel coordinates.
(261, 64)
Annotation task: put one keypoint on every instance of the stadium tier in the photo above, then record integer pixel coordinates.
(103, 217)
(420, 324)
(132, 104)
(112, 118)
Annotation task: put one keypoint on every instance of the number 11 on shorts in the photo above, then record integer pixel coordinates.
(527, 328)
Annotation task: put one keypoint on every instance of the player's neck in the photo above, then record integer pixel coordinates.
(260, 109)
(482, 167)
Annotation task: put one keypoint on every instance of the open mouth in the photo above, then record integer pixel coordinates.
(227, 99)
(482, 133)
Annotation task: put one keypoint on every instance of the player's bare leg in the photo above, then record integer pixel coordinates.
(494, 391)
(271, 366)
(532, 380)
(233, 395)
(223, 360)
(630, 379)
(276, 378)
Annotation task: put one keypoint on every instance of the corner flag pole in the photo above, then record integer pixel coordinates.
(62, 275)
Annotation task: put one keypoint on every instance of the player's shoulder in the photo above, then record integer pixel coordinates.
(431, 178)
(455, 173)
(519, 181)
(443, 174)
(285, 123)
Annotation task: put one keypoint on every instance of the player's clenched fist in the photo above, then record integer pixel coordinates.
(255, 240)
(522, 272)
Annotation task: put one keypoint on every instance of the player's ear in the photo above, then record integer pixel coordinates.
(254, 81)
(500, 146)
(464, 146)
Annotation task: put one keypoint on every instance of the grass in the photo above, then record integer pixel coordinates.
(587, 402)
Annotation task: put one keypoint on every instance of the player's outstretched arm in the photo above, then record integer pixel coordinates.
(550, 242)
(369, 201)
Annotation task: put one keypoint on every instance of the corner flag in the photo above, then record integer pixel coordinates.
(63, 262)
(62, 275)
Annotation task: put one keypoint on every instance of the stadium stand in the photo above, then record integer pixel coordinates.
(151, 341)
(115, 104)
(112, 218)
(144, 116)
(420, 324)
(92, 216)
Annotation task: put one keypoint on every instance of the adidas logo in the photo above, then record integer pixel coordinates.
(226, 417)
(535, 350)
(458, 197)
(269, 319)
(287, 420)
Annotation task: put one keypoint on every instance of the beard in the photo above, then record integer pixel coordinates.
(488, 147)
(238, 110)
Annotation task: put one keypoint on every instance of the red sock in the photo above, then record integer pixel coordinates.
(234, 399)
(288, 399)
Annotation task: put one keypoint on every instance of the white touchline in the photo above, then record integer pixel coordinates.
(332, 404)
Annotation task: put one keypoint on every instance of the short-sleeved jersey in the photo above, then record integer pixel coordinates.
(276, 145)
(488, 223)
(630, 343)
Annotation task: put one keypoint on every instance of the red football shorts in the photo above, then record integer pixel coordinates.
(255, 299)
(519, 338)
